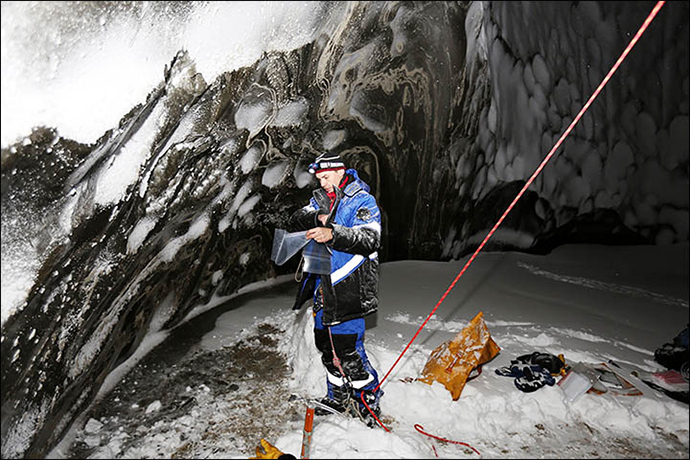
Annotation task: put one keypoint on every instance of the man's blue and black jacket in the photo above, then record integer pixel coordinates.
(351, 290)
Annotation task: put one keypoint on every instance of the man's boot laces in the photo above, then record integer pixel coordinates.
(353, 407)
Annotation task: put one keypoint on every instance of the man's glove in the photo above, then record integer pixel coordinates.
(322, 200)
(270, 452)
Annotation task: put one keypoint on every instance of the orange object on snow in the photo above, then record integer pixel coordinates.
(451, 362)
(306, 433)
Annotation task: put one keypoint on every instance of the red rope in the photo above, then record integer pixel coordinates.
(420, 428)
(541, 166)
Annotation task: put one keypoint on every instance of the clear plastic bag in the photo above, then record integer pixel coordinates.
(317, 258)
(286, 245)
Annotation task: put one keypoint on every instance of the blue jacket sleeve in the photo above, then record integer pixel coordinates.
(363, 234)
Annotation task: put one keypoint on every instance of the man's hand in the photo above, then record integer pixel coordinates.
(320, 234)
(322, 218)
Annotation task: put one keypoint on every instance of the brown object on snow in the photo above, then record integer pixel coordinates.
(451, 362)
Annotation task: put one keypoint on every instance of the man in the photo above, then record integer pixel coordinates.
(344, 216)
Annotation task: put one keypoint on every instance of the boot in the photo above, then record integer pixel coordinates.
(336, 398)
(372, 400)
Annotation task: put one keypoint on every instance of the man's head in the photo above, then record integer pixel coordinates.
(329, 170)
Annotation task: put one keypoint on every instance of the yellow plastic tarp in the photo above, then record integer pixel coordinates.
(451, 362)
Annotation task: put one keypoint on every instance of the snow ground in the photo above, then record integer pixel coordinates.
(219, 383)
